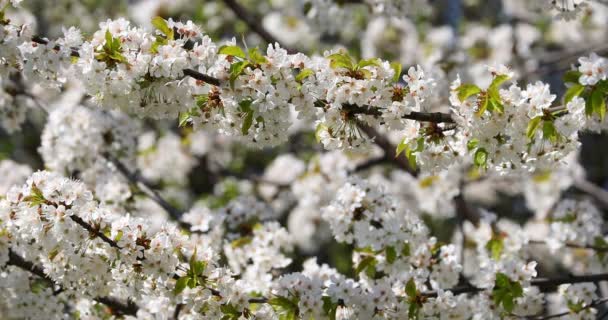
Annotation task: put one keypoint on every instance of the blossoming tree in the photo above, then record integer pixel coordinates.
(303, 159)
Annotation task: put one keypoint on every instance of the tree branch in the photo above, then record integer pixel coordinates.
(142, 185)
(117, 306)
(254, 23)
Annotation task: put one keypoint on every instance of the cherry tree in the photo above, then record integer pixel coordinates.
(303, 159)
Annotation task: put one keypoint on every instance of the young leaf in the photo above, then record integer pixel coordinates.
(247, 122)
(369, 62)
(320, 128)
(400, 147)
(410, 288)
(256, 57)
(180, 285)
(236, 69)
(367, 262)
(533, 126)
(480, 158)
(234, 51)
(305, 73)
(495, 247)
(396, 66)
(598, 103)
(391, 254)
(340, 60)
(573, 91)
(329, 307)
(549, 131)
(572, 76)
(467, 90)
(162, 26)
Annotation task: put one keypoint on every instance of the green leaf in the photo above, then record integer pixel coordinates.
(572, 76)
(236, 69)
(406, 250)
(495, 247)
(237, 243)
(410, 288)
(413, 311)
(320, 128)
(480, 158)
(369, 62)
(467, 90)
(391, 254)
(482, 104)
(549, 131)
(506, 291)
(180, 285)
(329, 307)
(573, 91)
(396, 66)
(472, 144)
(231, 311)
(340, 60)
(256, 57)
(533, 126)
(161, 24)
(575, 307)
(247, 122)
(36, 197)
(284, 307)
(401, 147)
(497, 82)
(184, 118)
(598, 103)
(304, 73)
(234, 51)
(109, 39)
(367, 262)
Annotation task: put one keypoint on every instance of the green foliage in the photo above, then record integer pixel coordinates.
(36, 197)
(111, 52)
(304, 73)
(480, 158)
(495, 246)
(194, 276)
(506, 291)
(572, 76)
(330, 308)
(396, 66)
(410, 153)
(367, 264)
(162, 26)
(413, 299)
(574, 91)
(533, 126)
(391, 254)
(286, 309)
(467, 90)
(598, 103)
(234, 51)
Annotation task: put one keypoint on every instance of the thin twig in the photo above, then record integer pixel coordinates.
(254, 23)
(559, 315)
(117, 306)
(136, 180)
(573, 245)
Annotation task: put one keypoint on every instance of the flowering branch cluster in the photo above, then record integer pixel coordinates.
(124, 240)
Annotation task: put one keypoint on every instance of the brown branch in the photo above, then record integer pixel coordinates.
(254, 23)
(142, 185)
(388, 148)
(573, 246)
(94, 232)
(117, 306)
(544, 284)
(565, 313)
(599, 195)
